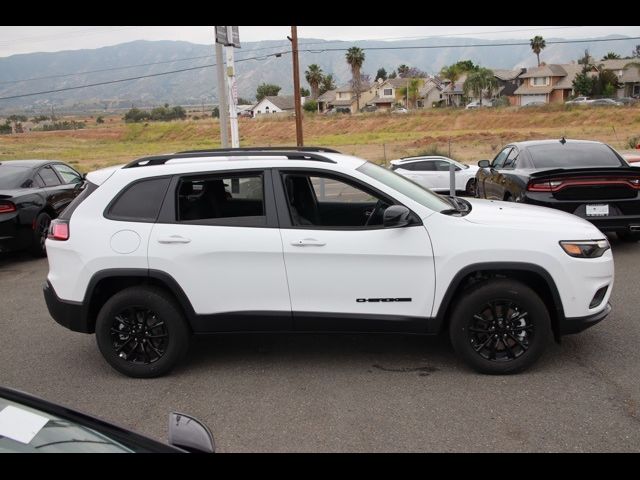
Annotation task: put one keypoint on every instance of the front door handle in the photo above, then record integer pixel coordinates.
(173, 239)
(308, 242)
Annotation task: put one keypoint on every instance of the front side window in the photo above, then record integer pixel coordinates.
(426, 166)
(226, 199)
(326, 201)
(500, 158)
(68, 174)
(511, 159)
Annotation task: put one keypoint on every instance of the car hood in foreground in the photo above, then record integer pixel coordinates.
(530, 217)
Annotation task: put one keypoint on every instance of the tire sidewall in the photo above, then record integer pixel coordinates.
(165, 309)
(472, 302)
(37, 248)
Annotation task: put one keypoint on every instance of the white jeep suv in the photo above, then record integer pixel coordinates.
(312, 240)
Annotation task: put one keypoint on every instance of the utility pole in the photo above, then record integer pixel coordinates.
(233, 114)
(296, 85)
(223, 108)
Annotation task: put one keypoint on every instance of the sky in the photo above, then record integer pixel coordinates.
(25, 39)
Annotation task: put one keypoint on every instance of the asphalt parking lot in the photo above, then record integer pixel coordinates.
(309, 393)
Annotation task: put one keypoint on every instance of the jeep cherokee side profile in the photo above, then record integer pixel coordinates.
(311, 240)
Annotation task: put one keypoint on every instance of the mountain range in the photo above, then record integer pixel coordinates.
(37, 72)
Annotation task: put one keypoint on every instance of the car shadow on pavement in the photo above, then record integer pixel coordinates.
(11, 258)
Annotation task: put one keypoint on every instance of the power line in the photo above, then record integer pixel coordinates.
(54, 36)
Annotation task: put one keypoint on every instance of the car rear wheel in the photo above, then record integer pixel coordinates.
(40, 232)
(500, 326)
(141, 332)
(629, 236)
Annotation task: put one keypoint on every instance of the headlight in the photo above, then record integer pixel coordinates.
(585, 248)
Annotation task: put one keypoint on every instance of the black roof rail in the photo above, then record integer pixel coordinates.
(291, 155)
(265, 149)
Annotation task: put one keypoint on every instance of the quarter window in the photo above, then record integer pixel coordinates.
(140, 201)
(49, 177)
(222, 200)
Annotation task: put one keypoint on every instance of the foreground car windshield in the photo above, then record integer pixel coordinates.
(577, 155)
(25, 429)
(12, 177)
(405, 186)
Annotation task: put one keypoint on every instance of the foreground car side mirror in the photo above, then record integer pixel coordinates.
(190, 434)
(396, 216)
(484, 164)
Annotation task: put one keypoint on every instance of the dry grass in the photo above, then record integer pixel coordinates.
(470, 135)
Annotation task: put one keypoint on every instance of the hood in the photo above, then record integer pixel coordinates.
(530, 217)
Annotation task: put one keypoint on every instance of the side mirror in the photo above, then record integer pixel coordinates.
(484, 164)
(190, 434)
(396, 216)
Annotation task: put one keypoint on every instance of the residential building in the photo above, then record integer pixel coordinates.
(508, 83)
(628, 75)
(551, 83)
(324, 100)
(275, 104)
(431, 92)
(345, 97)
(454, 93)
(387, 93)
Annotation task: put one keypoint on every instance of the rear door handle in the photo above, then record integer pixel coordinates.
(173, 239)
(308, 242)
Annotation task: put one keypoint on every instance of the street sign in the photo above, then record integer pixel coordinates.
(228, 36)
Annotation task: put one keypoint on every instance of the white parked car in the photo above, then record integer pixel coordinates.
(579, 101)
(433, 172)
(313, 240)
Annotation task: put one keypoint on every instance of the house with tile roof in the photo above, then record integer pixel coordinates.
(551, 83)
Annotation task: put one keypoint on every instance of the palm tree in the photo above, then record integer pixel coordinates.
(412, 91)
(355, 59)
(537, 45)
(314, 77)
(403, 70)
(479, 82)
(327, 83)
(451, 73)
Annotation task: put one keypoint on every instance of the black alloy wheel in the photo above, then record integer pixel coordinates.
(138, 335)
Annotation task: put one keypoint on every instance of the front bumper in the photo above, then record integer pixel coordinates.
(68, 314)
(578, 324)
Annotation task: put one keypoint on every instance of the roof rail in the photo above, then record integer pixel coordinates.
(265, 149)
(291, 155)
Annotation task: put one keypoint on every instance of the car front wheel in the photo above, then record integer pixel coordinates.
(471, 187)
(500, 326)
(142, 332)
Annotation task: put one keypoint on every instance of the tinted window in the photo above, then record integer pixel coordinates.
(140, 201)
(511, 159)
(573, 155)
(442, 166)
(68, 174)
(332, 190)
(12, 177)
(49, 177)
(222, 199)
(427, 166)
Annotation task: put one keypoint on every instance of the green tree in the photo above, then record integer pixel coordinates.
(635, 53)
(611, 56)
(355, 58)
(605, 83)
(412, 91)
(393, 75)
(327, 83)
(310, 106)
(451, 73)
(583, 84)
(216, 112)
(244, 101)
(267, 90)
(382, 74)
(480, 82)
(537, 44)
(314, 76)
(100, 120)
(403, 70)
(465, 66)
(6, 128)
(304, 92)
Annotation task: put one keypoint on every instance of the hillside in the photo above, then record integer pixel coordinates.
(197, 86)
(471, 135)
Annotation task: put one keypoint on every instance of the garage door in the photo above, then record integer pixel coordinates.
(525, 99)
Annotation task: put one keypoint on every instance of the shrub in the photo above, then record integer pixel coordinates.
(99, 120)
(5, 129)
(633, 142)
(311, 106)
(65, 125)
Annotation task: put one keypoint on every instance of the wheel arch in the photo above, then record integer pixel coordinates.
(106, 283)
(533, 275)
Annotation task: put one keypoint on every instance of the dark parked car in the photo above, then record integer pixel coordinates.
(29, 424)
(32, 193)
(588, 179)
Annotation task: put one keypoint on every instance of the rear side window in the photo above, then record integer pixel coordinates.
(140, 201)
(229, 199)
(574, 155)
(49, 177)
(88, 189)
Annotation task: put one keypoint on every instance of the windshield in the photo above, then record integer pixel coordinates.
(25, 429)
(406, 187)
(574, 155)
(12, 177)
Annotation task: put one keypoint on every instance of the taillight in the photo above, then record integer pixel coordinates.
(59, 230)
(7, 207)
(544, 186)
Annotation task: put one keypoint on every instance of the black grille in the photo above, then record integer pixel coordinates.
(596, 192)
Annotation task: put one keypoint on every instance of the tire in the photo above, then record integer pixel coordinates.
(40, 231)
(629, 236)
(165, 333)
(531, 329)
(470, 189)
